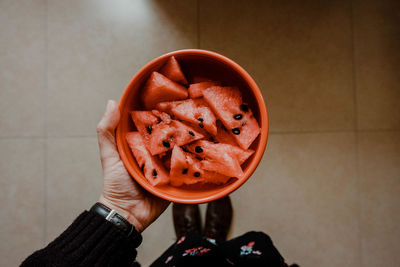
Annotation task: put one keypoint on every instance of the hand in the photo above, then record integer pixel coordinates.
(120, 191)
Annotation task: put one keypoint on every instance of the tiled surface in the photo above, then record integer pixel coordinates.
(74, 181)
(95, 47)
(380, 198)
(304, 195)
(299, 54)
(21, 198)
(328, 197)
(22, 67)
(377, 57)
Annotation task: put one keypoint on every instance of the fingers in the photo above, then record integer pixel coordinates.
(106, 133)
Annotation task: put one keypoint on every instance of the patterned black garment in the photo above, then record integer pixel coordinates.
(251, 249)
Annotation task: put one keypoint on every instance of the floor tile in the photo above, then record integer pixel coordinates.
(298, 52)
(157, 238)
(304, 195)
(22, 199)
(379, 165)
(74, 181)
(95, 47)
(22, 67)
(377, 58)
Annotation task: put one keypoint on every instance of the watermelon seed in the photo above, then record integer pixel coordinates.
(198, 149)
(200, 119)
(236, 131)
(154, 173)
(191, 133)
(166, 144)
(196, 174)
(149, 129)
(201, 125)
(238, 117)
(184, 149)
(184, 171)
(244, 107)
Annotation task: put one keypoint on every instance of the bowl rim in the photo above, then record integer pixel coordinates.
(257, 155)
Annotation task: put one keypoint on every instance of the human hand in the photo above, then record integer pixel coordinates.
(120, 191)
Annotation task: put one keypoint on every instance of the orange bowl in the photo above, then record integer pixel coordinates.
(194, 63)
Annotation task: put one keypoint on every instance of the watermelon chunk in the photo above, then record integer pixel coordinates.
(195, 111)
(161, 135)
(159, 88)
(223, 136)
(185, 169)
(218, 158)
(151, 166)
(196, 89)
(237, 117)
(173, 71)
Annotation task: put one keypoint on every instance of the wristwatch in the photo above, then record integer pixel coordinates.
(113, 217)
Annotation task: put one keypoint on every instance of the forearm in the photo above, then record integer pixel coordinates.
(90, 240)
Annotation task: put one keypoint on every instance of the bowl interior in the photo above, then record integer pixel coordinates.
(195, 64)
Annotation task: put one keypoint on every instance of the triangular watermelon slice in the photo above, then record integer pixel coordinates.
(196, 89)
(195, 111)
(185, 169)
(173, 71)
(151, 166)
(237, 117)
(161, 135)
(159, 88)
(218, 157)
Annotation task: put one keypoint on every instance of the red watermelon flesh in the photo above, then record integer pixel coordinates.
(223, 136)
(195, 111)
(196, 89)
(217, 157)
(161, 135)
(185, 169)
(237, 117)
(151, 166)
(165, 136)
(159, 88)
(173, 71)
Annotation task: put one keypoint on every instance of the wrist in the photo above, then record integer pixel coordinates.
(123, 212)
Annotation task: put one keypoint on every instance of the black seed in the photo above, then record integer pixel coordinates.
(184, 171)
(200, 119)
(196, 174)
(166, 144)
(244, 107)
(238, 117)
(236, 131)
(198, 149)
(154, 173)
(191, 133)
(142, 167)
(201, 125)
(184, 149)
(149, 129)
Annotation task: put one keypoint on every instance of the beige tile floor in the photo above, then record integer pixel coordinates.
(328, 188)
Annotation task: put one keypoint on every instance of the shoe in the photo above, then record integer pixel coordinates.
(186, 219)
(218, 219)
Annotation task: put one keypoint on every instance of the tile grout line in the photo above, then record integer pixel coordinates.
(198, 22)
(46, 118)
(356, 127)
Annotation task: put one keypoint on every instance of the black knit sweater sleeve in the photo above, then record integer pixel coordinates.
(89, 241)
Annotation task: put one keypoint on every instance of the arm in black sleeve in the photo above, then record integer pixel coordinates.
(90, 240)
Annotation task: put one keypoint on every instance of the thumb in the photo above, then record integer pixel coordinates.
(106, 133)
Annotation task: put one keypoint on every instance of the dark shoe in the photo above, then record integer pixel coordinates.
(186, 219)
(218, 218)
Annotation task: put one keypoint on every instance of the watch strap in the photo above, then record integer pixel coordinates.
(113, 217)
